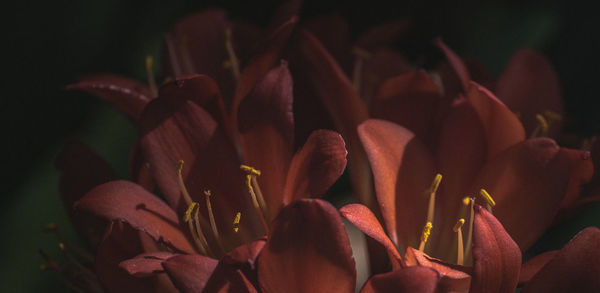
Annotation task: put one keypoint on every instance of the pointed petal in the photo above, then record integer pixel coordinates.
(403, 169)
(81, 170)
(406, 280)
(316, 166)
(266, 127)
(365, 221)
(529, 86)
(496, 257)
(146, 264)
(529, 182)
(129, 202)
(533, 266)
(190, 273)
(307, 248)
(452, 277)
(456, 63)
(575, 268)
(127, 95)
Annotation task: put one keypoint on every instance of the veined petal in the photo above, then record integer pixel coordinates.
(403, 170)
(496, 257)
(146, 264)
(129, 202)
(575, 268)
(307, 248)
(406, 280)
(316, 166)
(125, 94)
(190, 273)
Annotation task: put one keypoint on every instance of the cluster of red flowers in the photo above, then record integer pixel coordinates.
(431, 154)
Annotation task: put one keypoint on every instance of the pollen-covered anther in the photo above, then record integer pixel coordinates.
(250, 170)
(435, 184)
(187, 216)
(553, 116)
(236, 222)
(487, 197)
(458, 225)
(425, 235)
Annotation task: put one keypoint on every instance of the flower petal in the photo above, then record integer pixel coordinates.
(575, 268)
(266, 127)
(453, 278)
(125, 94)
(403, 170)
(533, 266)
(382, 35)
(333, 33)
(456, 63)
(81, 170)
(406, 280)
(316, 166)
(365, 221)
(129, 202)
(496, 257)
(529, 182)
(383, 63)
(307, 248)
(190, 273)
(529, 86)
(146, 264)
(139, 168)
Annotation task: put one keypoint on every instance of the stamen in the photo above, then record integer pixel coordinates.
(425, 235)
(553, 116)
(235, 65)
(255, 203)
(236, 222)
(488, 198)
(542, 128)
(470, 231)
(213, 223)
(188, 213)
(430, 211)
(250, 170)
(150, 75)
(253, 172)
(460, 249)
(53, 228)
(184, 192)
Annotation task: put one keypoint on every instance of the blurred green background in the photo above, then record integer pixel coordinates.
(51, 43)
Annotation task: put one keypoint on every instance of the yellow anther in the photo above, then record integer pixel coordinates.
(551, 115)
(227, 35)
(188, 213)
(250, 170)
(436, 183)
(426, 232)
(362, 53)
(458, 225)
(543, 123)
(149, 62)
(50, 227)
(43, 267)
(207, 192)
(487, 197)
(236, 222)
(466, 200)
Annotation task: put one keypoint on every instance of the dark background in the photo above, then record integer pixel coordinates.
(48, 44)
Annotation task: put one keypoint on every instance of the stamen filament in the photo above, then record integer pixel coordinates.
(255, 203)
(213, 223)
(173, 56)
(430, 210)
(470, 231)
(542, 128)
(200, 234)
(150, 75)
(235, 65)
(488, 198)
(460, 249)
(184, 192)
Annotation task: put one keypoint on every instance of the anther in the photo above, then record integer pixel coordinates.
(173, 56)
(542, 128)
(250, 170)
(488, 198)
(458, 225)
(236, 222)
(188, 213)
(553, 116)
(150, 75)
(425, 235)
(436, 183)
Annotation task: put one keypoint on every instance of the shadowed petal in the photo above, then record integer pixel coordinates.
(496, 257)
(406, 280)
(146, 264)
(125, 94)
(383, 63)
(456, 63)
(266, 128)
(365, 221)
(139, 168)
(452, 277)
(307, 251)
(129, 202)
(81, 170)
(382, 35)
(316, 166)
(333, 33)
(529, 86)
(529, 182)
(533, 266)
(403, 170)
(190, 273)
(575, 268)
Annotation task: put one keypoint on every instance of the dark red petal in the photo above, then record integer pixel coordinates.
(529, 182)
(190, 273)
(452, 277)
(127, 95)
(496, 257)
(246, 254)
(121, 242)
(529, 86)
(129, 202)
(365, 221)
(139, 168)
(406, 280)
(533, 266)
(333, 33)
(502, 128)
(456, 63)
(411, 100)
(228, 279)
(383, 63)
(403, 170)
(344, 105)
(266, 127)
(81, 170)
(316, 166)
(146, 264)
(307, 251)
(575, 268)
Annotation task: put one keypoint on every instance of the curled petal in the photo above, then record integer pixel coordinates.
(403, 171)
(307, 248)
(575, 268)
(127, 95)
(146, 264)
(406, 280)
(316, 166)
(496, 257)
(190, 273)
(129, 202)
